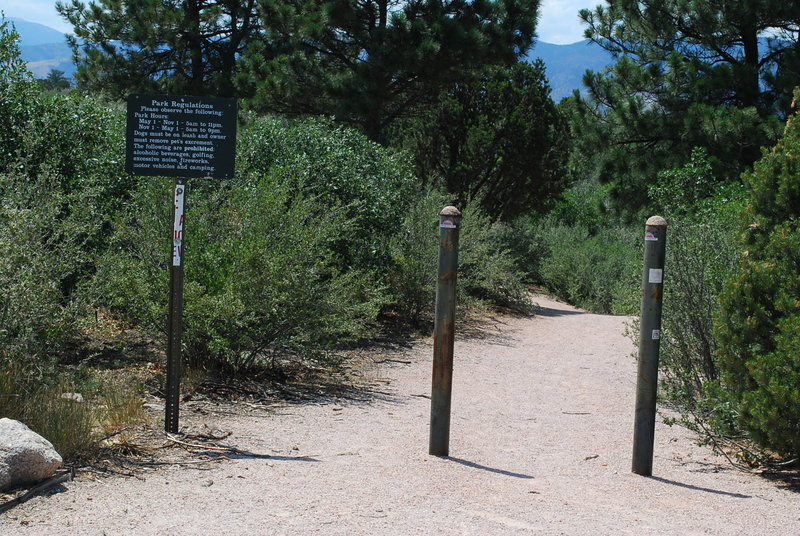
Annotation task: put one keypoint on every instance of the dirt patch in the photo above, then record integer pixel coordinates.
(540, 444)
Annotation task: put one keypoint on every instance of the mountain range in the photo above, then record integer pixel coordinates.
(45, 48)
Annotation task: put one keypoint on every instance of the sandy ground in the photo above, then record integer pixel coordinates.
(540, 444)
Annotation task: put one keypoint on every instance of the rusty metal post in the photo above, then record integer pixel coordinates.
(175, 322)
(655, 238)
(444, 331)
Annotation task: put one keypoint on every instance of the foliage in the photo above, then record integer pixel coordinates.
(60, 181)
(265, 279)
(159, 46)
(705, 218)
(487, 272)
(689, 74)
(414, 250)
(499, 137)
(12, 67)
(369, 63)
(759, 322)
(55, 81)
(598, 272)
(336, 166)
(579, 251)
(40, 253)
(486, 269)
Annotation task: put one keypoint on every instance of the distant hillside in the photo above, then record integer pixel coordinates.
(43, 48)
(566, 64)
(33, 33)
(42, 58)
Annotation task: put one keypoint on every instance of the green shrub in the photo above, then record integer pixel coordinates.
(414, 253)
(486, 270)
(261, 272)
(579, 252)
(38, 253)
(522, 238)
(759, 323)
(599, 272)
(705, 217)
(61, 179)
(336, 166)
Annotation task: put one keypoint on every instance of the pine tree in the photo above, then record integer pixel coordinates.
(169, 46)
(499, 138)
(690, 73)
(371, 62)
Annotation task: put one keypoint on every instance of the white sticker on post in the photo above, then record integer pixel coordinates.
(650, 237)
(656, 275)
(177, 226)
(656, 334)
(447, 224)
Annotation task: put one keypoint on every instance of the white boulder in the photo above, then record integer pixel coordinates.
(25, 456)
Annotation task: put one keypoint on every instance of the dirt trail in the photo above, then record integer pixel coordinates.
(540, 444)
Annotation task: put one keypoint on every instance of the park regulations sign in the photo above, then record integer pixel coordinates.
(169, 136)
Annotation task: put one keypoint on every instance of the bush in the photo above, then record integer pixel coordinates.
(261, 272)
(759, 321)
(61, 180)
(598, 272)
(335, 166)
(39, 253)
(705, 218)
(414, 253)
(486, 270)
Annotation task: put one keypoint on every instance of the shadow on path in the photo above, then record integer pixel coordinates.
(788, 480)
(548, 312)
(698, 488)
(485, 468)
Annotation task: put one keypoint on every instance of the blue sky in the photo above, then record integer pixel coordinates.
(558, 24)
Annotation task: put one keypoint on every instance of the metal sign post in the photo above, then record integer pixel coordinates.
(175, 322)
(655, 238)
(179, 137)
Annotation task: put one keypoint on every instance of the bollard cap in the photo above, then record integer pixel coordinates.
(656, 221)
(451, 212)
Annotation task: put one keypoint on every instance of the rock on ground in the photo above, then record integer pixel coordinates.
(25, 456)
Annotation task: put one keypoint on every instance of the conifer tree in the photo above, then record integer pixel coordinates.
(690, 73)
(499, 138)
(170, 46)
(371, 62)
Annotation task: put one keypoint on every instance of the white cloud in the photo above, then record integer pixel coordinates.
(559, 22)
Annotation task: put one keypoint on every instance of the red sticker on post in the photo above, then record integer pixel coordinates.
(447, 224)
(650, 237)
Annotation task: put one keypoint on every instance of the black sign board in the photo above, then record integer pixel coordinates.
(169, 136)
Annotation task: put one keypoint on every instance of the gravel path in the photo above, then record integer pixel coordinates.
(540, 444)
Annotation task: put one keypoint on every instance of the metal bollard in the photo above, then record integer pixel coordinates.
(444, 331)
(649, 340)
